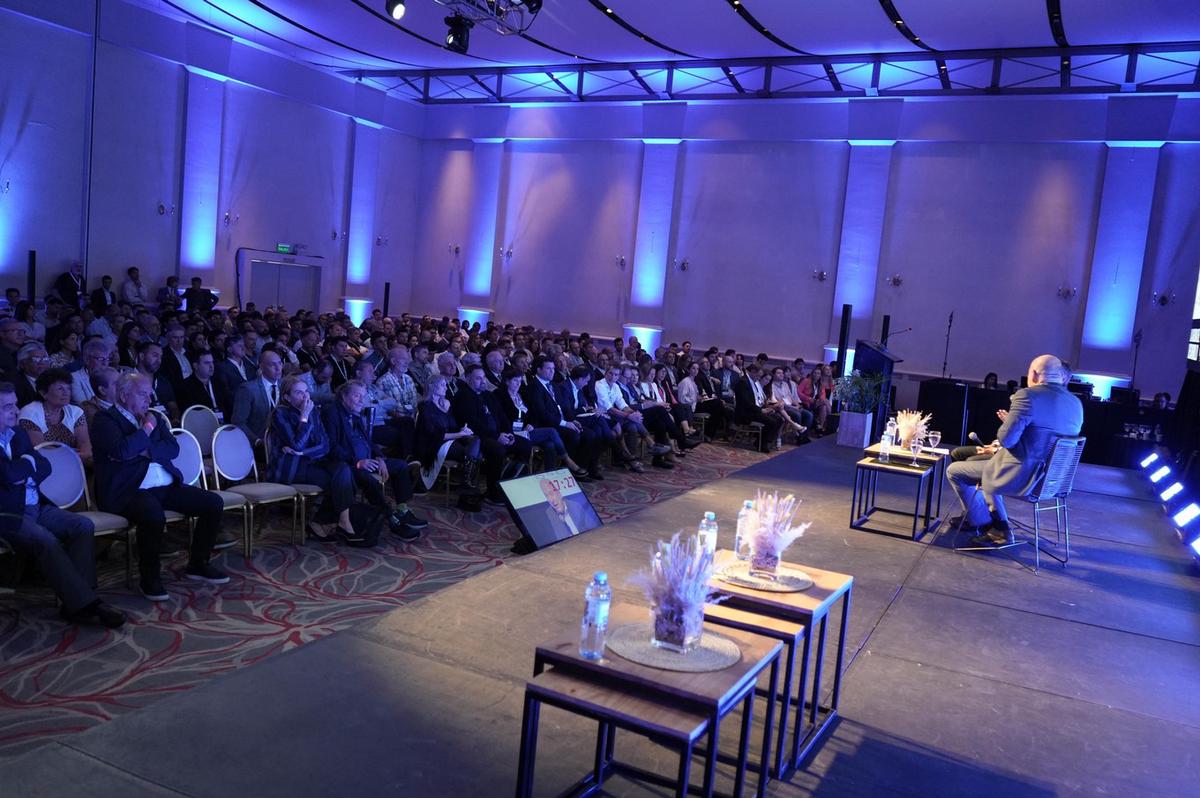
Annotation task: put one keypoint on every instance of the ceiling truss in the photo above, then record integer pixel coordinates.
(1169, 68)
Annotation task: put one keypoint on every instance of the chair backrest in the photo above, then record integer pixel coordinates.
(189, 461)
(66, 483)
(202, 422)
(233, 457)
(1058, 470)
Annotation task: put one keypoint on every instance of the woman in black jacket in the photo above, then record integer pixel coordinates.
(439, 437)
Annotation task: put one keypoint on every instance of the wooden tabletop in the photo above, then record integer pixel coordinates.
(925, 454)
(899, 464)
(803, 606)
(713, 689)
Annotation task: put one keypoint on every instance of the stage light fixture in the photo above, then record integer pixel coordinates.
(1159, 475)
(1185, 516)
(458, 33)
(395, 8)
(1171, 492)
(1149, 460)
(533, 6)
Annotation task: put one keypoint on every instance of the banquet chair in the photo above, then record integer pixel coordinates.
(304, 490)
(190, 463)
(233, 460)
(67, 485)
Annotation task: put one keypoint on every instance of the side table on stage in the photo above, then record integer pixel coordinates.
(929, 473)
(712, 695)
(809, 608)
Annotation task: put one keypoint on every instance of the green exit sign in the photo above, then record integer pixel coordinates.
(285, 249)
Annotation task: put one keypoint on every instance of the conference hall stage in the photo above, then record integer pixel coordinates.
(966, 674)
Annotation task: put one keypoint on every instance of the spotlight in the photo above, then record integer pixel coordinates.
(533, 6)
(1150, 458)
(1158, 475)
(1171, 492)
(395, 8)
(1186, 515)
(458, 35)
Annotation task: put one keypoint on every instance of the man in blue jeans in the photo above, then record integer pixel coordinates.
(349, 442)
(60, 542)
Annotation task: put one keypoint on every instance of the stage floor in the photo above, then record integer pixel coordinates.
(967, 674)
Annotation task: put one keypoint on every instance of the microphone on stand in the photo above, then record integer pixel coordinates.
(900, 332)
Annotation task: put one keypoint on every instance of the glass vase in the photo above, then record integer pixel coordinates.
(764, 565)
(677, 628)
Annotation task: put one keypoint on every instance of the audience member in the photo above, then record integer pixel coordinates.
(133, 290)
(54, 418)
(71, 287)
(103, 297)
(254, 399)
(749, 407)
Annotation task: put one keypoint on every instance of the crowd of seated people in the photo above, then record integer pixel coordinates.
(341, 406)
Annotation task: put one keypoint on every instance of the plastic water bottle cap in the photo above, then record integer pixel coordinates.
(710, 516)
(601, 577)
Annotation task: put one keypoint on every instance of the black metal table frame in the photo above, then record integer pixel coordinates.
(820, 717)
(607, 764)
(863, 506)
(939, 462)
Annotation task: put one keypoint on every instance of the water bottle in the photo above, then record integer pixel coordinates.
(888, 440)
(708, 532)
(594, 628)
(747, 520)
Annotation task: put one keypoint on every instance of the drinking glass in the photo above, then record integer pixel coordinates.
(934, 437)
(915, 446)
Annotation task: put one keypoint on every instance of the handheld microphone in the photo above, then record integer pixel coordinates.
(973, 438)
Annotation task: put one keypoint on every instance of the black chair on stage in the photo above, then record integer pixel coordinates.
(1048, 492)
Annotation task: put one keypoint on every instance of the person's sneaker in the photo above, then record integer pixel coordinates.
(412, 521)
(404, 532)
(151, 587)
(225, 542)
(205, 572)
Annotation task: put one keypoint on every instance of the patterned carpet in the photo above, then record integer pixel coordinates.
(57, 679)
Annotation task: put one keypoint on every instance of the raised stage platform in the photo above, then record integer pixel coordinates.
(967, 674)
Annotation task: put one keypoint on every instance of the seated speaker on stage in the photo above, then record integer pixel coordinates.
(1037, 415)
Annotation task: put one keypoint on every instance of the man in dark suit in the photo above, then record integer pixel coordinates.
(1036, 417)
(544, 411)
(255, 399)
(560, 516)
(232, 372)
(176, 367)
(578, 406)
(162, 395)
(749, 399)
(60, 542)
(135, 478)
(198, 298)
(479, 408)
(493, 361)
(103, 296)
(71, 286)
(200, 389)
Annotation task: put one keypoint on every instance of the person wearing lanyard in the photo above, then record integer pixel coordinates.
(135, 478)
(256, 398)
(60, 541)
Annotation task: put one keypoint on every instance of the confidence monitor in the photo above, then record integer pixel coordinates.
(549, 507)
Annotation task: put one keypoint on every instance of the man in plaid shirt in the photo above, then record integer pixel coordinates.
(398, 390)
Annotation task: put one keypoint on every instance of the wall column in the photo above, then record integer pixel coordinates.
(1123, 225)
(360, 244)
(656, 206)
(868, 171)
(475, 303)
(200, 212)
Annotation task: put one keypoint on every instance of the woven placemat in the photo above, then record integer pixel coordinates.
(714, 652)
(787, 580)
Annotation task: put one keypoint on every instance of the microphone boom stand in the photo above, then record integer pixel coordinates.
(946, 356)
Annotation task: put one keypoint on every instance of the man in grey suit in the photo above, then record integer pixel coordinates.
(256, 398)
(1038, 414)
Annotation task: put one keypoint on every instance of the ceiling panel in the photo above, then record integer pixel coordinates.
(702, 28)
(1130, 21)
(831, 27)
(978, 24)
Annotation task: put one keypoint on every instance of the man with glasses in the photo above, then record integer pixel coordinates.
(96, 353)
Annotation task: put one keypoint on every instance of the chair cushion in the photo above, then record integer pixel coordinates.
(308, 490)
(106, 523)
(173, 516)
(264, 491)
(231, 499)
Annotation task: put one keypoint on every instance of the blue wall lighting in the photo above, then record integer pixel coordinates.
(472, 315)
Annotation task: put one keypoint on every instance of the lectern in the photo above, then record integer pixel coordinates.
(874, 358)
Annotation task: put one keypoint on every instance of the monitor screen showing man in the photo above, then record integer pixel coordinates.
(550, 506)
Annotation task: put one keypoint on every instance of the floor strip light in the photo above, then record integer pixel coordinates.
(1160, 474)
(1171, 492)
(1150, 458)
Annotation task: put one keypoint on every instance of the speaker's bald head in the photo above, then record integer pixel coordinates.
(1047, 368)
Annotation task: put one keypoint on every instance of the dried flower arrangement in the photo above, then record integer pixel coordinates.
(677, 586)
(774, 532)
(910, 423)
